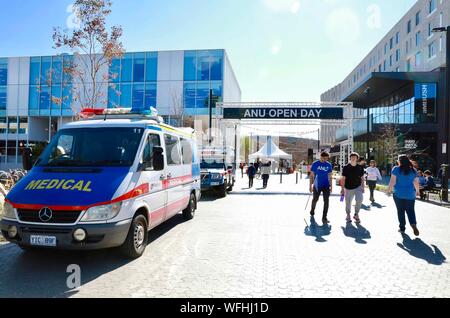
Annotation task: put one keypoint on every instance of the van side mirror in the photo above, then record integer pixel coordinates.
(158, 159)
(27, 157)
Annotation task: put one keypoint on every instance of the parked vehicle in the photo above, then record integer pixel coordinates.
(104, 183)
(218, 172)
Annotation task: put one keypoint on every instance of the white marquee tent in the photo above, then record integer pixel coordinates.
(270, 151)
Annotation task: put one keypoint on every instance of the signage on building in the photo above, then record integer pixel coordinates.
(425, 96)
(410, 144)
(283, 113)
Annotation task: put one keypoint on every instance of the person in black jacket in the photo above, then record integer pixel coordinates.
(251, 172)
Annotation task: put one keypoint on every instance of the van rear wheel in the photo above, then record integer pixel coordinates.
(137, 237)
(189, 212)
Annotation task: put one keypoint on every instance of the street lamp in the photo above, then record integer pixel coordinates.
(444, 167)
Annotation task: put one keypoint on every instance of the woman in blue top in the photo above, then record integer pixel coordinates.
(405, 183)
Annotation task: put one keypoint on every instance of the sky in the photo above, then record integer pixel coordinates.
(280, 50)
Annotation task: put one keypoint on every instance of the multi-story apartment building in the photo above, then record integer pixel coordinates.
(400, 83)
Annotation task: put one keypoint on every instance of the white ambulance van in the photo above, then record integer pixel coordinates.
(105, 182)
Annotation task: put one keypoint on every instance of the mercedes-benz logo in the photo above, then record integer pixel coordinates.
(45, 214)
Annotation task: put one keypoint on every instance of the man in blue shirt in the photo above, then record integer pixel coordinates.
(321, 182)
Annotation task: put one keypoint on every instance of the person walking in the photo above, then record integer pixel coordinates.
(352, 184)
(265, 171)
(404, 185)
(373, 175)
(321, 182)
(251, 172)
(241, 166)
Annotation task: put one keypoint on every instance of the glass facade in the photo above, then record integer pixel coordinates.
(3, 87)
(401, 113)
(132, 81)
(203, 80)
(50, 87)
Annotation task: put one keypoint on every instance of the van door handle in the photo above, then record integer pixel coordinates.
(162, 177)
(169, 176)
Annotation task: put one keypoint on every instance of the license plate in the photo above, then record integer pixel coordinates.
(40, 240)
(215, 183)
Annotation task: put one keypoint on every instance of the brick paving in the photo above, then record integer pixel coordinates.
(255, 243)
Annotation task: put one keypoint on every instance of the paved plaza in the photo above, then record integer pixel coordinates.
(256, 243)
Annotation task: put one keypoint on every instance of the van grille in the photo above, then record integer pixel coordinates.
(60, 217)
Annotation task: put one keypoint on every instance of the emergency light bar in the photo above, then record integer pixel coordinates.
(125, 112)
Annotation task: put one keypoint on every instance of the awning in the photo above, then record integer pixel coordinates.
(396, 85)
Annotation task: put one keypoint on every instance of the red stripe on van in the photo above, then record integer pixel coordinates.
(142, 189)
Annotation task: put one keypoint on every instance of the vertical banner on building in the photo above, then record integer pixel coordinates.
(425, 104)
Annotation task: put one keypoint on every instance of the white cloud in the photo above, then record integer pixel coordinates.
(292, 6)
(343, 26)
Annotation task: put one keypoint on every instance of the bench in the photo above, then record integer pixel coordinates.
(433, 190)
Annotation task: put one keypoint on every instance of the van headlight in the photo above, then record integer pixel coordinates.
(8, 211)
(102, 212)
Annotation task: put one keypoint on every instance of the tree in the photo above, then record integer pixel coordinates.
(94, 48)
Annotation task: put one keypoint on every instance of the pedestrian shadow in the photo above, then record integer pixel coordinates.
(377, 205)
(419, 249)
(317, 231)
(358, 232)
(43, 273)
(365, 207)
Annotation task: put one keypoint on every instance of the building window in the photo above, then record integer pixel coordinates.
(397, 37)
(139, 67)
(57, 68)
(151, 67)
(3, 125)
(127, 68)
(418, 59)
(408, 65)
(431, 50)
(418, 39)
(391, 43)
(397, 55)
(125, 95)
(138, 96)
(189, 95)
(441, 43)
(385, 48)
(384, 66)
(23, 125)
(397, 69)
(203, 65)
(3, 103)
(430, 30)
(390, 61)
(3, 71)
(190, 65)
(431, 6)
(12, 125)
(46, 70)
(408, 27)
(150, 95)
(114, 71)
(441, 19)
(35, 70)
(417, 18)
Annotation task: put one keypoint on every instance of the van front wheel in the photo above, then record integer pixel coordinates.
(189, 212)
(136, 240)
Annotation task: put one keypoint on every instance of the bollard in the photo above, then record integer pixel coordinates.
(296, 177)
(281, 177)
(444, 182)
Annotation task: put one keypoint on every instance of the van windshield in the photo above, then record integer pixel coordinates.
(92, 147)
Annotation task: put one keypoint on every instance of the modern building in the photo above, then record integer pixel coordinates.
(400, 85)
(182, 85)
